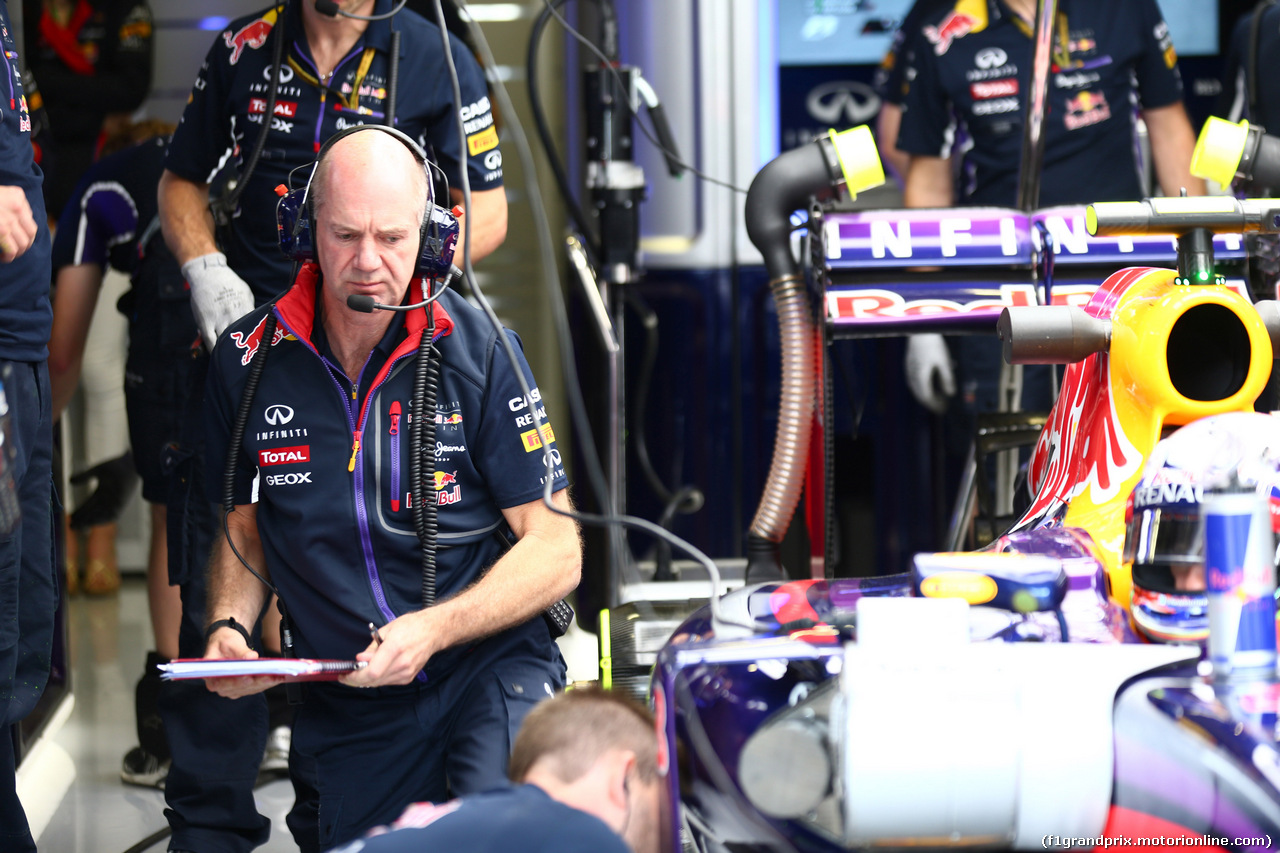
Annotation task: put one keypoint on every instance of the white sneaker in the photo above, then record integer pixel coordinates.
(275, 759)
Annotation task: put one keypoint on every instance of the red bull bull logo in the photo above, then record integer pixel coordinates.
(252, 35)
(449, 419)
(955, 25)
(444, 478)
(249, 343)
(1085, 109)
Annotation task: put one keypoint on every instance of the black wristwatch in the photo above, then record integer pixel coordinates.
(229, 622)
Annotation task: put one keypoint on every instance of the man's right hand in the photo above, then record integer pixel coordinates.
(219, 297)
(227, 644)
(929, 374)
(17, 225)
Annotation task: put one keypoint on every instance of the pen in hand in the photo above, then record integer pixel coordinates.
(373, 632)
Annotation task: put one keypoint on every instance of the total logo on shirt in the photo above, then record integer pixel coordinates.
(284, 455)
(994, 89)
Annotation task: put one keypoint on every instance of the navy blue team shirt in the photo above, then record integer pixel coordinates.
(229, 101)
(1234, 104)
(972, 67)
(891, 80)
(110, 207)
(340, 544)
(523, 818)
(26, 315)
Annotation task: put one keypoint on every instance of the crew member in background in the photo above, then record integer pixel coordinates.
(28, 592)
(92, 59)
(971, 72)
(335, 73)
(592, 782)
(892, 84)
(323, 497)
(104, 227)
(1249, 91)
(112, 221)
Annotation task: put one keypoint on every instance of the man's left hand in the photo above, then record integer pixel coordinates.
(17, 225)
(405, 649)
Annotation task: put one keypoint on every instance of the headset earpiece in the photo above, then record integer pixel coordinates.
(293, 224)
(295, 214)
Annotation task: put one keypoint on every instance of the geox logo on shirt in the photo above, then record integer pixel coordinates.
(288, 479)
(284, 455)
(994, 107)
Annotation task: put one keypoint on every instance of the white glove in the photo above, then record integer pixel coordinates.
(219, 297)
(929, 374)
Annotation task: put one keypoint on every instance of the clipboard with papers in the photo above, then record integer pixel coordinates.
(291, 669)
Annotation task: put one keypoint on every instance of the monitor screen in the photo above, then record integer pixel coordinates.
(837, 32)
(858, 32)
(1193, 25)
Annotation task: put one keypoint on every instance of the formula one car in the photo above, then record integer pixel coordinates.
(1005, 697)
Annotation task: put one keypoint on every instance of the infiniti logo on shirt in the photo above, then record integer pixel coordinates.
(279, 415)
(992, 57)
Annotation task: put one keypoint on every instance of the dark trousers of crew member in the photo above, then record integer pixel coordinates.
(28, 585)
(216, 743)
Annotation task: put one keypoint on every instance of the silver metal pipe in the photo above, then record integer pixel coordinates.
(1033, 126)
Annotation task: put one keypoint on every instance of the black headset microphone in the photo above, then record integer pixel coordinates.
(366, 304)
(332, 10)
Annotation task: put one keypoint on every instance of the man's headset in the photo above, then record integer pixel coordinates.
(295, 213)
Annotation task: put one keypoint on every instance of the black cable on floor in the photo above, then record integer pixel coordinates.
(151, 840)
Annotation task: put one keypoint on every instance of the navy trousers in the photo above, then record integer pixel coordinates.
(28, 583)
(216, 744)
(359, 757)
